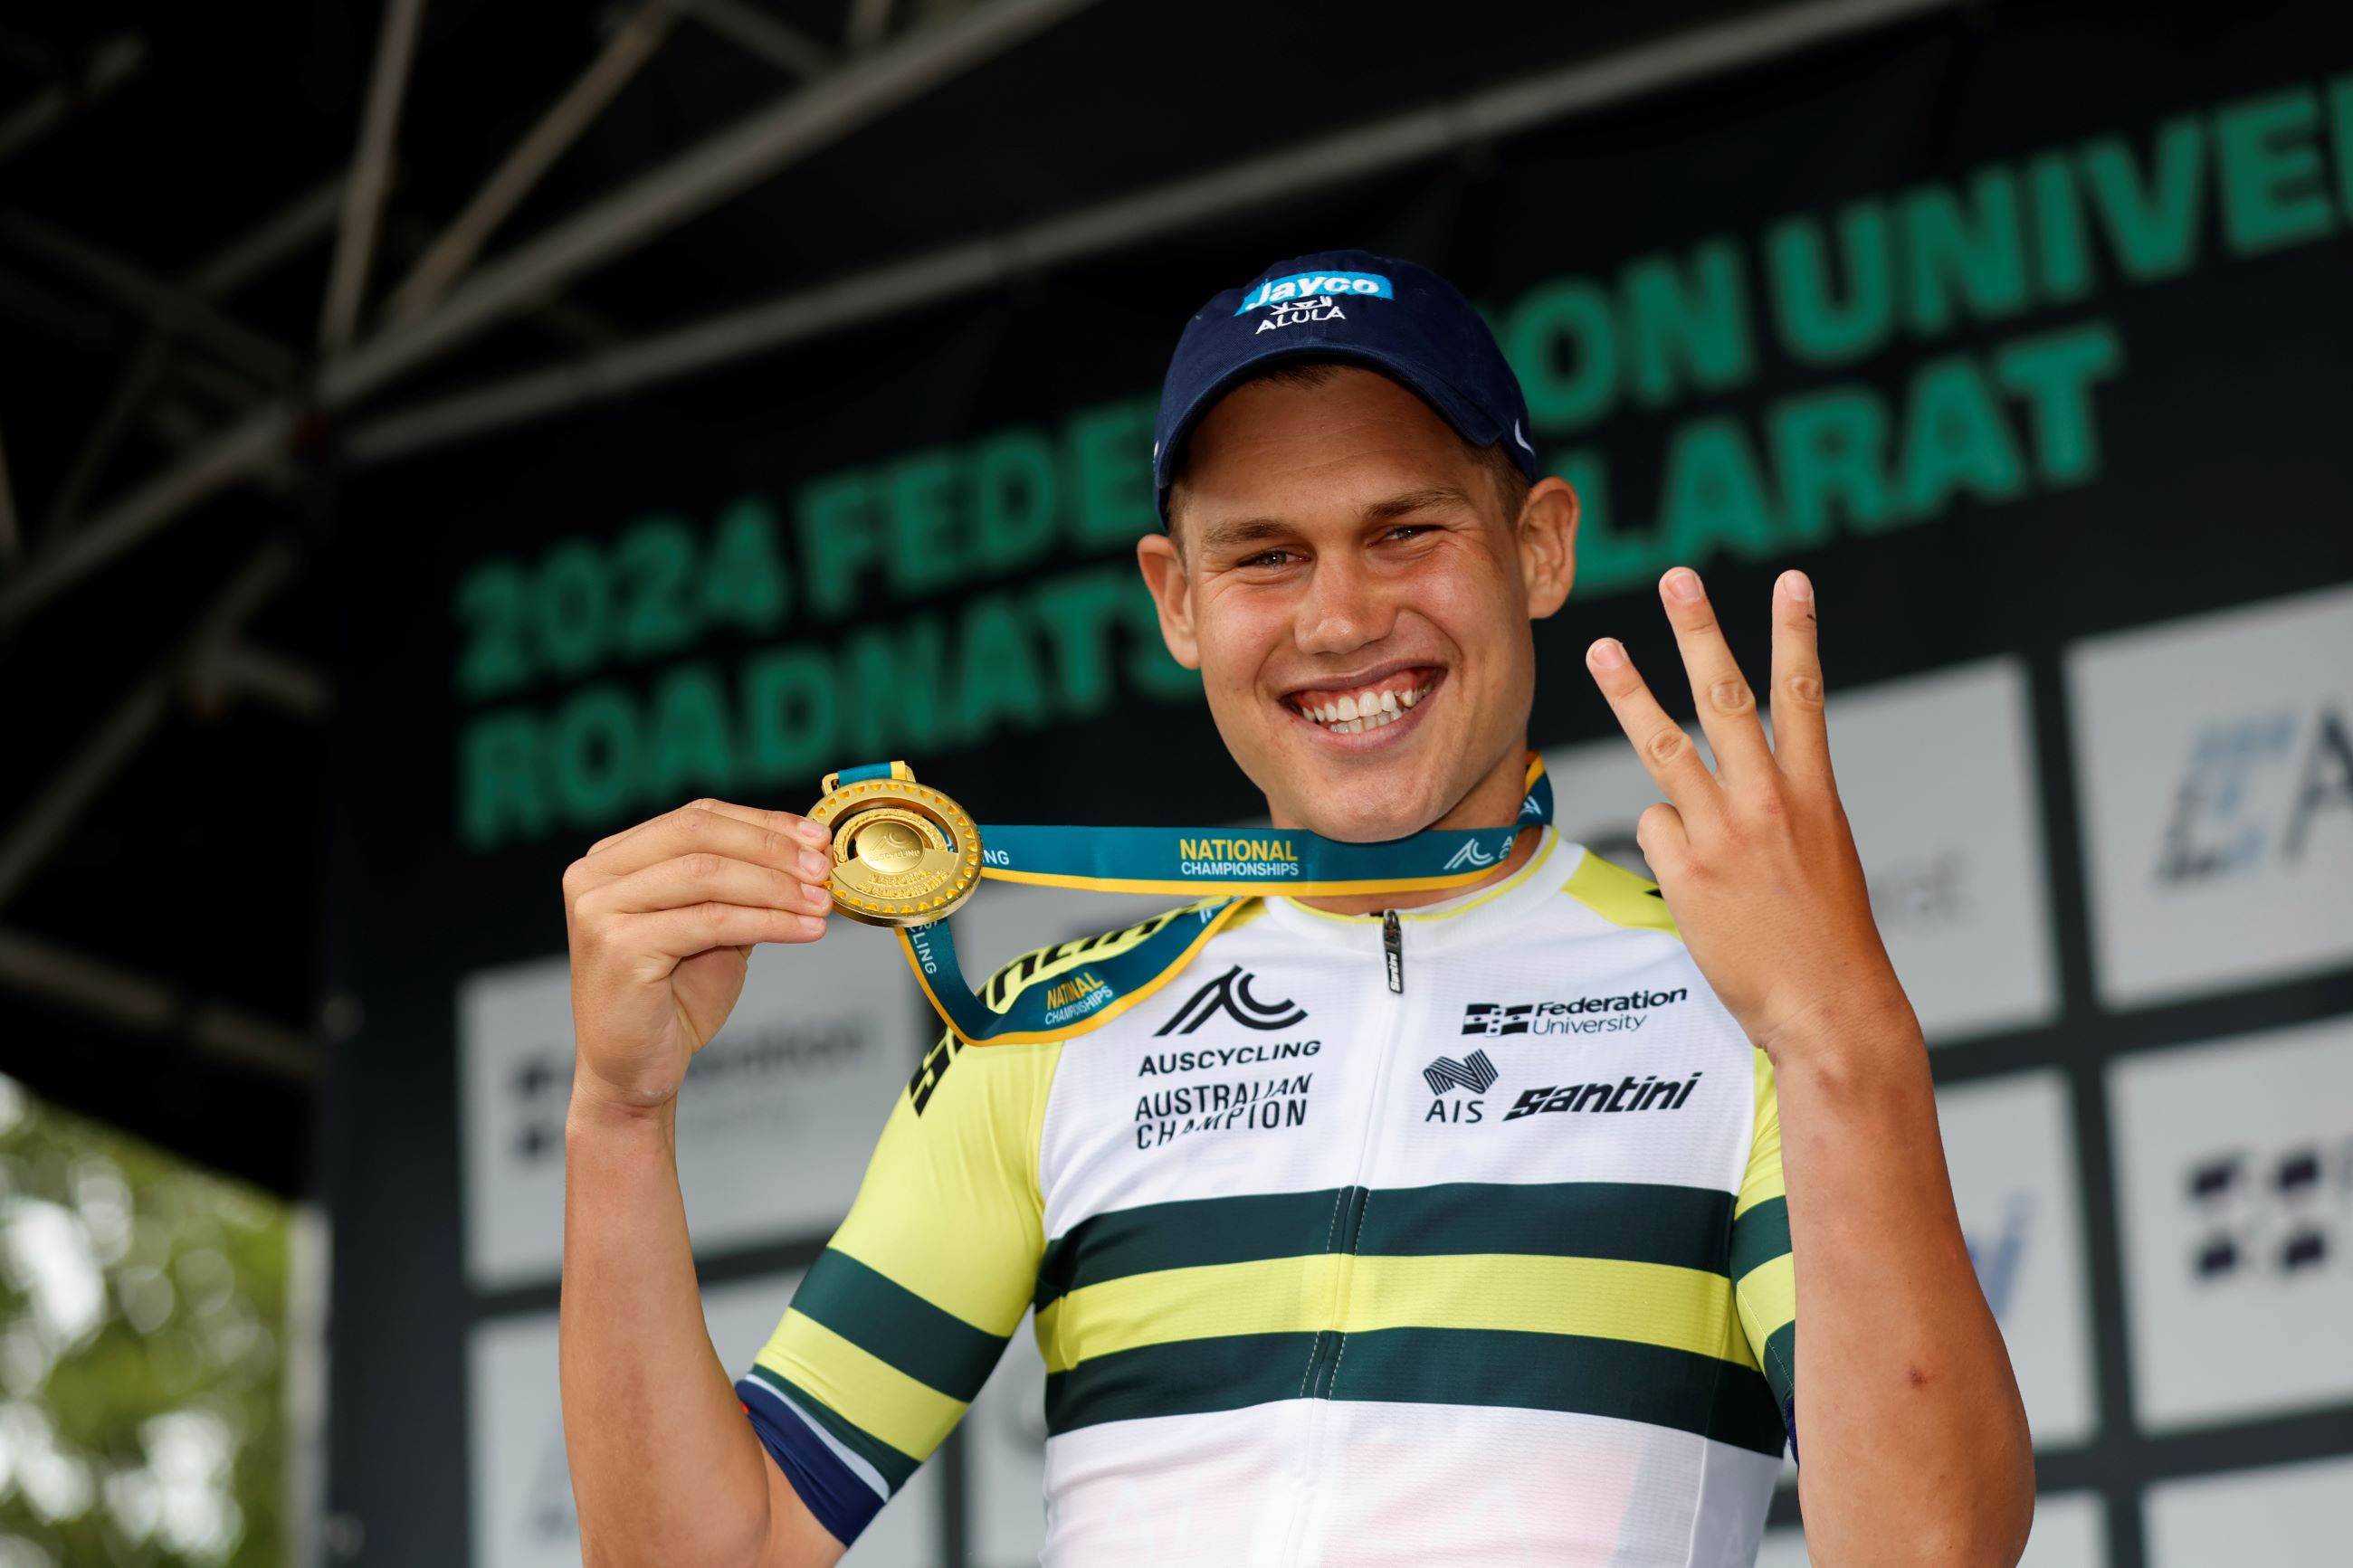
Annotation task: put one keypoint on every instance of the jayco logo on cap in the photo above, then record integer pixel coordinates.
(1278, 291)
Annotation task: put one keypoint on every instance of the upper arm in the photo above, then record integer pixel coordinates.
(901, 1318)
(1764, 1276)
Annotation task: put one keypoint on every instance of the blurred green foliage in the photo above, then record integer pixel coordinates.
(143, 1315)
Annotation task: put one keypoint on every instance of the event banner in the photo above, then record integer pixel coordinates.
(2032, 354)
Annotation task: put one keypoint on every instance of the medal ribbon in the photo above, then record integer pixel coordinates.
(1079, 985)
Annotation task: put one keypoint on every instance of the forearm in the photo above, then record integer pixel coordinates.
(665, 1468)
(1913, 1444)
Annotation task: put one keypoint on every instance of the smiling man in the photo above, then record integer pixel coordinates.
(1483, 1225)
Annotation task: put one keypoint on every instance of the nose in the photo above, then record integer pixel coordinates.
(1343, 607)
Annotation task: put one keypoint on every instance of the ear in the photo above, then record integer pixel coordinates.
(1547, 538)
(1172, 595)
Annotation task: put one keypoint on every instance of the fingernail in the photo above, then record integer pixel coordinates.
(816, 895)
(1607, 653)
(1796, 585)
(1682, 584)
(813, 925)
(817, 868)
(812, 830)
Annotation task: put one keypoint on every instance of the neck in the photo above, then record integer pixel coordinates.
(1492, 801)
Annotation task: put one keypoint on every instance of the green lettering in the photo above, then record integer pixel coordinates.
(1150, 669)
(1562, 343)
(1110, 448)
(2273, 192)
(925, 551)
(997, 669)
(692, 752)
(1714, 496)
(498, 779)
(2340, 122)
(1954, 440)
(1014, 498)
(1077, 611)
(2061, 256)
(1607, 560)
(573, 605)
(2153, 226)
(1829, 450)
(1977, 256)
(836, 539)
(1689, 328)
(742, 575)
(593, 743)
(2055, 373)
(790, 711)
(1817, 327)
(896, 700)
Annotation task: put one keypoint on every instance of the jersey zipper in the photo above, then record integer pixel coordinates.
(1330, 1352)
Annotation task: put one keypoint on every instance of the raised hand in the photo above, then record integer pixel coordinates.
(662, 918)
(1755, 859)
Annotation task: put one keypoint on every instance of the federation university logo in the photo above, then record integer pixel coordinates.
(1231, 994)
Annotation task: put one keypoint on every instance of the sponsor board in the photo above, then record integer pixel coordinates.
(2234, 1172)
(521, 1509)
(778, 1115)
(2288, 1514)
(2071, 1530)
(2214, 779)
(2010, 1144)
(1937, 775)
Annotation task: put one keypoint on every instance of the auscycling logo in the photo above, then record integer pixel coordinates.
(1281, 291)
(1267, 858)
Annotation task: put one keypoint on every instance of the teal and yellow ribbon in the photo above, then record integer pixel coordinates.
(1080, 985)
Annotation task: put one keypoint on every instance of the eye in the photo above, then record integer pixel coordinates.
(1267, 558)
(1408, 530)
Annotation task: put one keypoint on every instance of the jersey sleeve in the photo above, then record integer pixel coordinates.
(1764, 1278)
(901, 1319)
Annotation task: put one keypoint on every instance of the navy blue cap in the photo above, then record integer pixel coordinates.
(1352, 306)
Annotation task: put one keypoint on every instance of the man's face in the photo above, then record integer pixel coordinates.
(1357, 604)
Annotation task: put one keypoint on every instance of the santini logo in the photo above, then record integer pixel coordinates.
(1476, 1073)
(1299, 286)
(1648, 1094)
(1231, 994)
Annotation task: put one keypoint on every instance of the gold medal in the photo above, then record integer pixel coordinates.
(903, 854)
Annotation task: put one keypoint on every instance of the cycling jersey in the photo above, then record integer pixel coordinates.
(1479, 1256)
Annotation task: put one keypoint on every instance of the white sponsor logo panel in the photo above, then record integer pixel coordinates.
(1937, 775)
(2234, 1170)
(2288, 1514)
(2010, 1144)
(778, 1115)
(522, 1507)
(2071, 1530)
(2214, 771)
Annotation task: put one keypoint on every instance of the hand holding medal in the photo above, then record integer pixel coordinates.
(906, 854)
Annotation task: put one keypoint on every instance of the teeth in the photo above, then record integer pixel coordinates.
(1354, 713)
